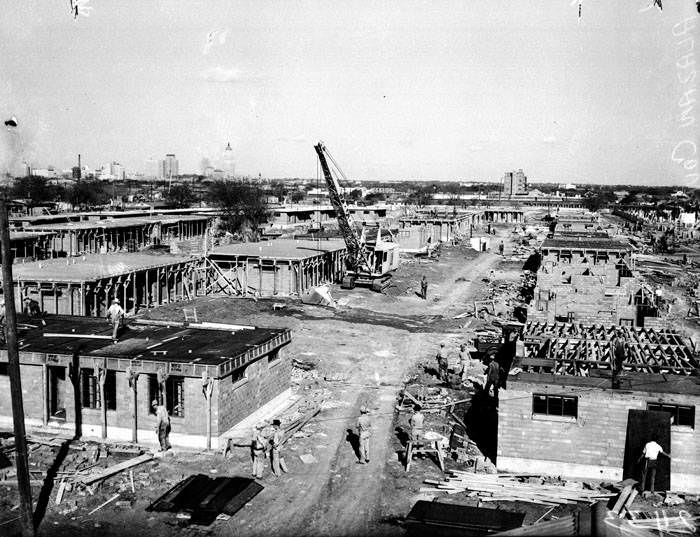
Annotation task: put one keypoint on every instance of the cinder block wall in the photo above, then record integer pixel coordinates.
(596, 438)
(31, 392)
(263, 383)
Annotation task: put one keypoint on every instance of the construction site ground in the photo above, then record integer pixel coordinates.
(364, 351)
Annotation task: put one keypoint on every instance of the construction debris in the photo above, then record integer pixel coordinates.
(507, 487)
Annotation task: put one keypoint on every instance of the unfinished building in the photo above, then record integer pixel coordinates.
(503, 215)
(590, 280)
(210, 377)
(279, 267)
(120, 234)
(86, 285)
(417, 231)
(30, 245)
(596, 429)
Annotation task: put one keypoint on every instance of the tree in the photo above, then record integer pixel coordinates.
(298, 196)
(35, 189)
(180, 196)
(375, 197)
(599, 200)
(355, 195)
(243, 206)
(86, 194)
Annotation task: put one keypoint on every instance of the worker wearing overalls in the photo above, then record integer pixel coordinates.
(259, 450)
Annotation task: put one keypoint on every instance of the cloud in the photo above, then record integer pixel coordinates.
(549, 139)
(475, 147)
(223, 75)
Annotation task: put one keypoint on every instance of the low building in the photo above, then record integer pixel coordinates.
(578, 426)
(58, 364)
(284, 267)
(86, 285)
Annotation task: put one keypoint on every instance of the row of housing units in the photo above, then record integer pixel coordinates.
(587, 296)
(71, 234)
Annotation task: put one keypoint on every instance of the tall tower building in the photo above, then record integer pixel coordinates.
(228, 164)
(154, 168)
(515, 183)
(170, 166)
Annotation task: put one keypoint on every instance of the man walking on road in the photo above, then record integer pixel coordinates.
(364, 431)
(162, 425)
(115, 316)
(493, 375)
(650, 454)
(424, 288)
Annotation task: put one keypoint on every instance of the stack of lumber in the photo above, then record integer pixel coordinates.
(506, 487)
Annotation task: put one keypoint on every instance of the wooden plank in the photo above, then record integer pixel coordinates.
(622, 499)
(81, 336)
(116, 468)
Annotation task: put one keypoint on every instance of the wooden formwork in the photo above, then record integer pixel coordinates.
(567, 348)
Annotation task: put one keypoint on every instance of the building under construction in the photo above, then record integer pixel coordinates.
(280, 267)
(595, 427)
(62, 365)
(86, 285)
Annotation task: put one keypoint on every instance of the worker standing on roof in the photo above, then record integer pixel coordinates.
(619, 352)
(115, 315)
(258, 447)
(364, 431)
(650, 454)
(162, 425)
(424, 287)
(278, 465)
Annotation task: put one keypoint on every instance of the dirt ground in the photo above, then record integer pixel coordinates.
(372, 340)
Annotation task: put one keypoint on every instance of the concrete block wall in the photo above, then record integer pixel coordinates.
(31, 392)
(264, 381)
(591, 446)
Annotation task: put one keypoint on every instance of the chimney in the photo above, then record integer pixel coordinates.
(78, 160)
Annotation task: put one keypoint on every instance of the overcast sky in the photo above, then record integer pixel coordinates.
(396, 89)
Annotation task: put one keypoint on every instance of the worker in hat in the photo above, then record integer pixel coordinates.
(364, 431)
(275, 445)
(162, 425)
(258, 447)
(115, 315)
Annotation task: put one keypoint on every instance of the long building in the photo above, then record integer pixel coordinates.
(153, 360)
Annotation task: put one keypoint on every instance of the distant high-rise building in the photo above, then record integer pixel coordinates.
(170, 166)
(76, 172)
(154, 168)
(515, 183)
(117, 170)
(228, 164)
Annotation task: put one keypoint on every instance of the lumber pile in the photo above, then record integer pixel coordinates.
(507, 487)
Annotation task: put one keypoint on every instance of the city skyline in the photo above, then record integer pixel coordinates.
(397, 91)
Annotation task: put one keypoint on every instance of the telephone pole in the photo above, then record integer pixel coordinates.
(21, 462)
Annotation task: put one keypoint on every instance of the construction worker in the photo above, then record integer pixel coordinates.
(424, 288)
(416, 422)
(31, 307)
(258, 447)
(162, 425)
(619, 352)
(464, 357)
(364, 431)
(115, 315)
(650, 454)
(441, 359)
(275, 445)
(493, 376)
(500, 248)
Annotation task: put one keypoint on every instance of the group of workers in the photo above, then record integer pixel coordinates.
(263, 444)
(454, 374)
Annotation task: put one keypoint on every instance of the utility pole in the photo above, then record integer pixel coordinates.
(21, 462)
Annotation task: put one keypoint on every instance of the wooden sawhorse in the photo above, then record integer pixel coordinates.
(427, 447)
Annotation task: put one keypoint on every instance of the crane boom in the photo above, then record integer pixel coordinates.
(357, 256)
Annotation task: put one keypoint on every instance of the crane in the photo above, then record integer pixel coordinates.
(368, 262)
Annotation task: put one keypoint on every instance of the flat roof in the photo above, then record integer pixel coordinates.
(23, 235)
(585, 243)
(634, 382)
(91, 266)
(293, 249)
(184, 348)
(116, 222)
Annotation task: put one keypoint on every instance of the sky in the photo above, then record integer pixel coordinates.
(405, 89)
